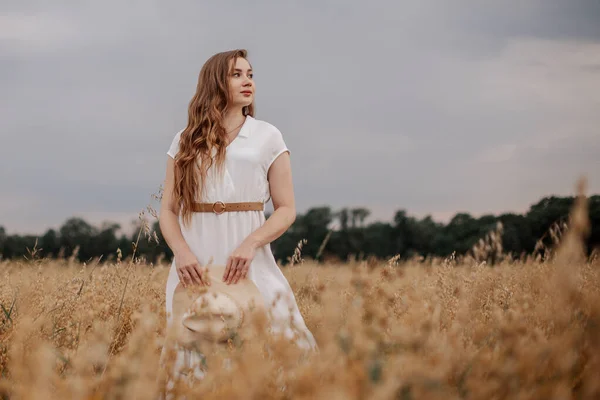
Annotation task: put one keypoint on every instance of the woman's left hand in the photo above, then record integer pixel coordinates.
(238, 263)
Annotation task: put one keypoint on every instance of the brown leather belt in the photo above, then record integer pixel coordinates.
(219, 207)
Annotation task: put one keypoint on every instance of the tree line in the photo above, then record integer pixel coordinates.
(323, 234)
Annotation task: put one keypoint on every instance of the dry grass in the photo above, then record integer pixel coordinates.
(436, 329)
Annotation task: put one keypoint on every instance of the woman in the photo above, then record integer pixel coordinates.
(249, 163)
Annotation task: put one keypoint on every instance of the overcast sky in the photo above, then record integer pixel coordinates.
(432, 107)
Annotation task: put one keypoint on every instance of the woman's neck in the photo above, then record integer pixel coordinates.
(232, 120)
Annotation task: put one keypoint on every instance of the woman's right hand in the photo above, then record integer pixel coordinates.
(189, 269)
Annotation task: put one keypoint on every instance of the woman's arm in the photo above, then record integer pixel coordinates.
(284, 205)
(284, 215)
(169, 210)
(186, 263)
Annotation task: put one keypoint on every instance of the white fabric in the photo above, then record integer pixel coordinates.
(248, 159)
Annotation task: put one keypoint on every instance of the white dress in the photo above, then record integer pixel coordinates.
(248, 158)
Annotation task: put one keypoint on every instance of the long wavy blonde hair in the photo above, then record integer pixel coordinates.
(205, 134)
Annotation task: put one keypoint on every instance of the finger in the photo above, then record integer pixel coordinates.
(232, 270)
(246, 269)
(233, 276)
(237, 276)
(241, 270)
(180, 275)
(238, 273)
(183, 278)
(203, 274)
(194, 274)
(186, 277)
(227, 269)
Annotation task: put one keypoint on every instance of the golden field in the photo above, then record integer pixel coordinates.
(453, 328)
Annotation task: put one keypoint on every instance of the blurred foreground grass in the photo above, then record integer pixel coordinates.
(438, 329)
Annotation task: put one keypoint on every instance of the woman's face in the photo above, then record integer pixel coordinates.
(241, 83)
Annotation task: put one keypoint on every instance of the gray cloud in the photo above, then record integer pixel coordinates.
(432, 107)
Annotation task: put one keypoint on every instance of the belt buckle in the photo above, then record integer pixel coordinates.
(222, 207)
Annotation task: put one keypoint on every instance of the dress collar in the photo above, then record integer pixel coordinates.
(247, 127)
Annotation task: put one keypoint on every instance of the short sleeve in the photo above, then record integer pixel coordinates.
(174, 145)
(274, 148)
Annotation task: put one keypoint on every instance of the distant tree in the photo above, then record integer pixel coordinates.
(424, 234)
(516, 237)
(593, 241)
(2, 239)
(378, 240)
(50, 243)
(546, 212)
(401, 232)
(106, 241)
(74, 233)
(351, 238)
(343, 216)
(361, 214)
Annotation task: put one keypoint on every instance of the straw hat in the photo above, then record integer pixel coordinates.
(214, 313)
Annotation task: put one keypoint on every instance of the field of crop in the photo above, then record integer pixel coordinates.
(449, 328)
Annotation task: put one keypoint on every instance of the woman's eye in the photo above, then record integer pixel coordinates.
(251, 76)
(236, 74)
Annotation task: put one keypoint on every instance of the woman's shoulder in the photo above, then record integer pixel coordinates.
(270, 139)
(178, 134)
(265, 128)
(174, 147)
